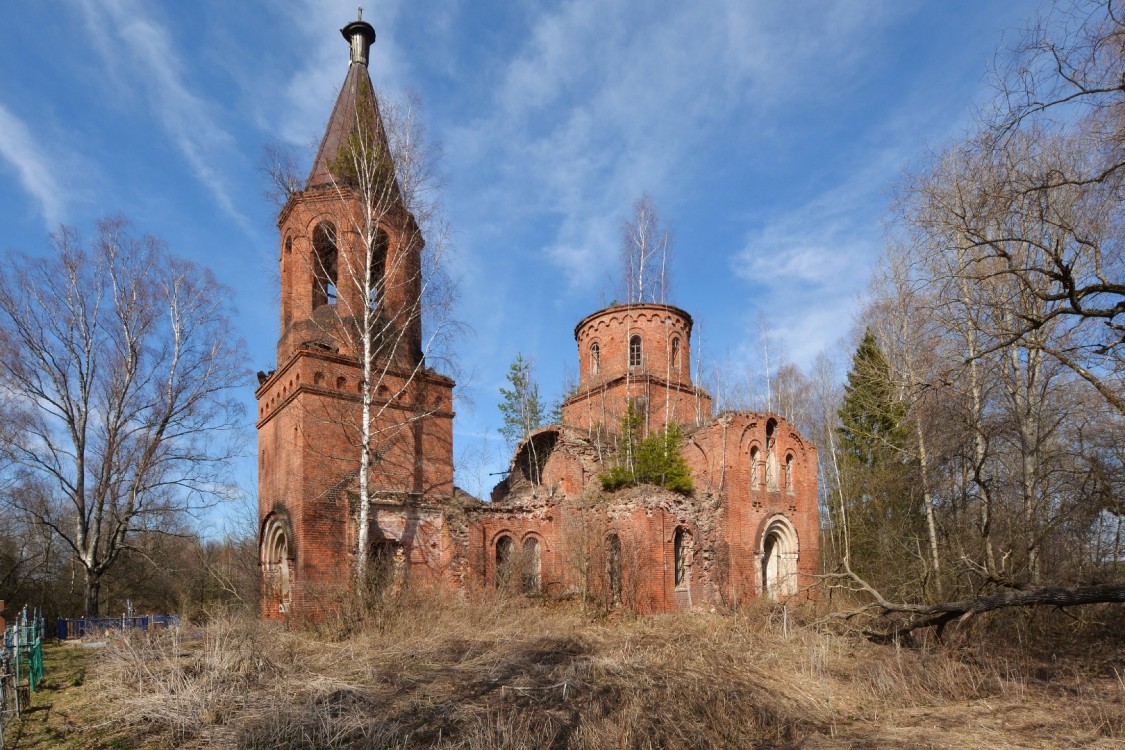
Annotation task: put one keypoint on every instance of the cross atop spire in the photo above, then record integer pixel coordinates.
(360, 35)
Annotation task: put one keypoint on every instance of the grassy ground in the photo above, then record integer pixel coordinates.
(512, 675)
(65, 713)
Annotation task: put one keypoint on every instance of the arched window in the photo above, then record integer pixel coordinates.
(635, 353)
(532, 566)
(324, 259)
(275, 562)
(789, 472)
(377, 269)
(779, 559)
(595, 358)
(676, 353)
(755, 467)
(771, 454)
(613, 568)
(682, 551)
(504, 548)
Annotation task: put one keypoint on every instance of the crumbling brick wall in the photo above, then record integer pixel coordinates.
(737, 517)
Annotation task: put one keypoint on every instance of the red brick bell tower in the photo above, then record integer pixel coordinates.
(351, 290)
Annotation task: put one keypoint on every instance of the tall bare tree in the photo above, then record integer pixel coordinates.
(645, 246)
(1055, 137)
(124, 360)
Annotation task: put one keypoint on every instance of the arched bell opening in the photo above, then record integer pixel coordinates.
(377, 269)
(325, 258)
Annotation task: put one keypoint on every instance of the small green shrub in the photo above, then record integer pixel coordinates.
(656, 459)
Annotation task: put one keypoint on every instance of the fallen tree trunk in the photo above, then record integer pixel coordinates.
(942, 613)
(1057, 596)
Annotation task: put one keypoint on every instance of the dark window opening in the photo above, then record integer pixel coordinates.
(595, 358)
(377, 269)
(676, 353)
(504, 548)
(324, 260)
(681, 548)
(635, 353)
(613, 568)
(771, 454)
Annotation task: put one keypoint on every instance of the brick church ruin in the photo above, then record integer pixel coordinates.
(749, 527)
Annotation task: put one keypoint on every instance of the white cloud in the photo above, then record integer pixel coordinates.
(814, 260)
(808, 265)
(35, 170)
(604, 101)
(132, 42)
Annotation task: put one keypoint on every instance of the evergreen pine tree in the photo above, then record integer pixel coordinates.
(872, 430)
(521, 407)
(881, 501)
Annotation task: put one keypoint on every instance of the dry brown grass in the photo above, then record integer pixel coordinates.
(512, 674)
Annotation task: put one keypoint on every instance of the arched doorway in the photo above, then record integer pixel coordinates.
(779, 559)
(275, 562)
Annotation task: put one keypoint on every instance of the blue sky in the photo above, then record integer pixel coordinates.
(770, 135)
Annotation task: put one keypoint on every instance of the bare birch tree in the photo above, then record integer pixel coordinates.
(126, 364)
(645, 246)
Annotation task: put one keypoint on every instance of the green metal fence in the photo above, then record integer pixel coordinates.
(21, 665)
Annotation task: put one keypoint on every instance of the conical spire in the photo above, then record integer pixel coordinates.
(356, 100)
